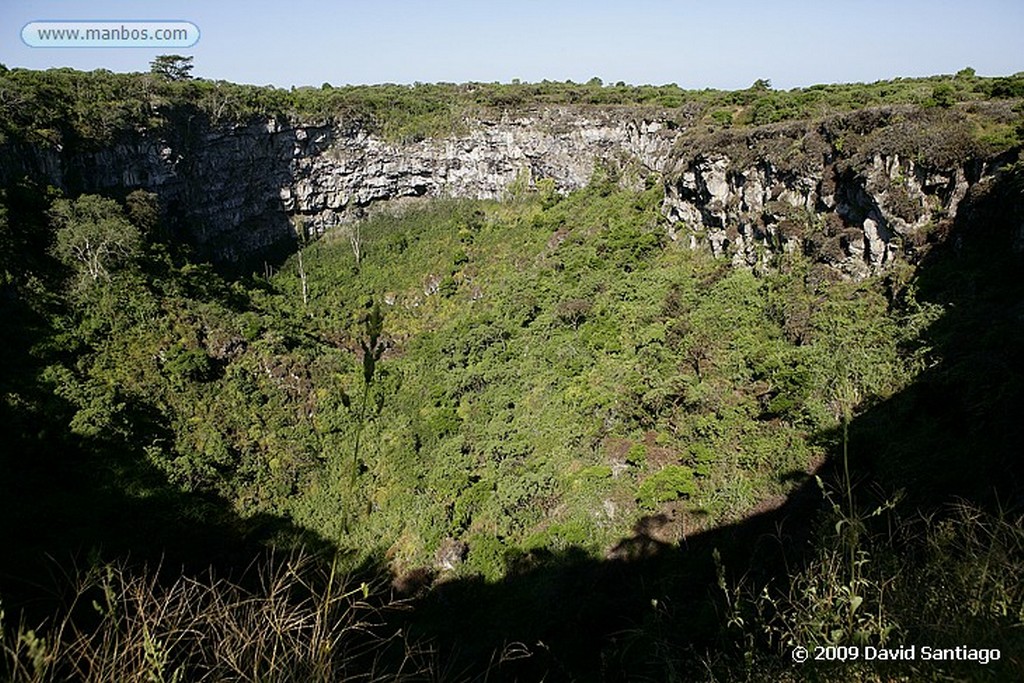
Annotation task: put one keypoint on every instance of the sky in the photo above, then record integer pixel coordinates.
(695, 43)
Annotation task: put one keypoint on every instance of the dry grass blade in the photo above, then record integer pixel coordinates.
(283, 620)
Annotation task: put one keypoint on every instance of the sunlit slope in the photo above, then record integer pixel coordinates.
(552, 369)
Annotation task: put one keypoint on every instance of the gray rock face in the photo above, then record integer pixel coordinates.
(240, 191)
(359, 169)
(858, 219)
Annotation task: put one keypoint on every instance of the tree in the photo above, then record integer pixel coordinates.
(172, 67)
(7, 245)
(94, 236)
(573, 311)
(143, 210)
(303, 236)
(943, 95)
(355, 238)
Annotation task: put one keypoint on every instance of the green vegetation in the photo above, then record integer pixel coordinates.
(541, 409)
(66, 107)
(528, 343)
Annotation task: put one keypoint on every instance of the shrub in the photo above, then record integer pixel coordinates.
(943, 95)
(637, 455)
(573, 312)
(486, 556)
(184, 364)
(722, 116)
(666, 485)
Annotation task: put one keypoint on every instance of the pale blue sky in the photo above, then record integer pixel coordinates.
(697, 44)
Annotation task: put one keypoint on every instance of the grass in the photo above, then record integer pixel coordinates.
(293, 618)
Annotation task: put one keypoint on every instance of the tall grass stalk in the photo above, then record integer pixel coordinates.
(292, 619)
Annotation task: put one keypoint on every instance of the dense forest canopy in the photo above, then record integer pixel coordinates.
(540, 408)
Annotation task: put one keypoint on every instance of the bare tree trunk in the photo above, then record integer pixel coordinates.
(355, 237)
(299, 225)
(302, 276)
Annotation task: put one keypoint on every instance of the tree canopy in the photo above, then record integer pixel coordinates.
(172, 67)
(94, 236)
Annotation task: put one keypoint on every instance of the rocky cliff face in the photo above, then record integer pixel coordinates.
(337, 172)
(857, 191)
(857, 219)
(238, 191)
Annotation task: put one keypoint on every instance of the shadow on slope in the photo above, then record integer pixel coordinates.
(65, 499)
(108, 572)
(957, 432)
(659, 612)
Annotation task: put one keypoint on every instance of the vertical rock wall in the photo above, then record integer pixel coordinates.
(852, 190)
